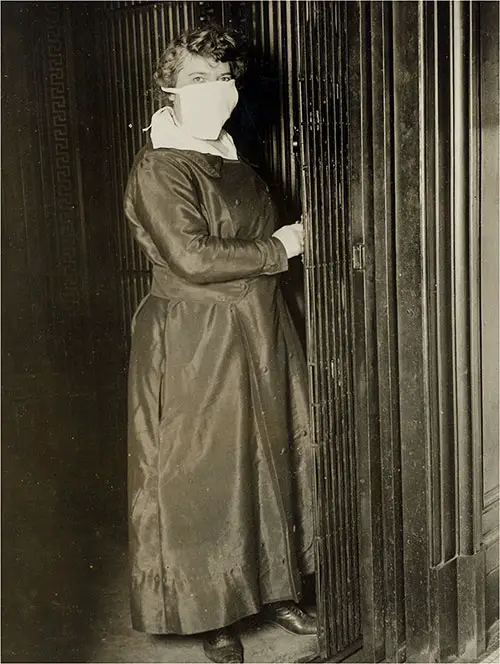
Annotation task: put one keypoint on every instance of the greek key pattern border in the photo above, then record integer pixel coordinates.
(63, 176)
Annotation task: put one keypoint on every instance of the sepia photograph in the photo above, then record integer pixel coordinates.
(250, 331)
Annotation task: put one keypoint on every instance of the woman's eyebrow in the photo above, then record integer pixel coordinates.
(202, 73)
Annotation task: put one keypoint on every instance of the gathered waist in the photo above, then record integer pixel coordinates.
(166, 284)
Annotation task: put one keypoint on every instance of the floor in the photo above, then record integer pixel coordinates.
(68, 602)
(72, 606)
(117, 642)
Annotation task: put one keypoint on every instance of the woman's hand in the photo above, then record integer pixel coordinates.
(292, 238)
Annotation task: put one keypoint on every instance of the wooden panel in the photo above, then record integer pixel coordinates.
(489, 73)
(376, 387)
(492, 555)
(416, 212)
(490, 213)
(408, 120)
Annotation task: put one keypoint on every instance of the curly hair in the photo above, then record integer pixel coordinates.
(209, 41)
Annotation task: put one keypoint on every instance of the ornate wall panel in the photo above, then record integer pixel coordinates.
(47, 218)
(63, 206)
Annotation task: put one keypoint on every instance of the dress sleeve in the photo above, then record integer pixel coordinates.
(162, 206)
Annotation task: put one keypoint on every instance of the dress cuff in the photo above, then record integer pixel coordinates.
(277, 260)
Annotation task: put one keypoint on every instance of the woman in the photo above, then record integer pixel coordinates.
(219, 454)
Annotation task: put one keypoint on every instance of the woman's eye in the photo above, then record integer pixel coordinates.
(226, 77)
(198, 79)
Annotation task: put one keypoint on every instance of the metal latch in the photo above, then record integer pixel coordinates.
(358, 256)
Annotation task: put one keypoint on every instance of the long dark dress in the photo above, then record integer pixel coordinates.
(219, 453)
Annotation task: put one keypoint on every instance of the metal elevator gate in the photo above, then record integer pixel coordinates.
(301, 142)
(322, 106)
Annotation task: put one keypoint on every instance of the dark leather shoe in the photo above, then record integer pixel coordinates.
(222, 645)
(291, 618)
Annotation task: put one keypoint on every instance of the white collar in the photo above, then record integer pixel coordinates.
(167, 133)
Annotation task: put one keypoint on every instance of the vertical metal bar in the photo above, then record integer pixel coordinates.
(292, 91)
(324, 313)
(301, 18)
(117, 161)
(316, 298)
(177, 26)
(122, 81)
(344, 299)
(123, 117)
(339, 607)
(336, 608)
(145, 69)
(280, 8)
(336, 231)
(270, 48)
(260, 34)
(156, 36)
(348, 323)
(167, 20)
(185, 14)
(133, 92)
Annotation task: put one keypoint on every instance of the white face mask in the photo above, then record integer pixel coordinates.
(205, 107)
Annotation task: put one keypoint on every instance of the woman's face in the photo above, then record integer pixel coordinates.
(196, 69)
